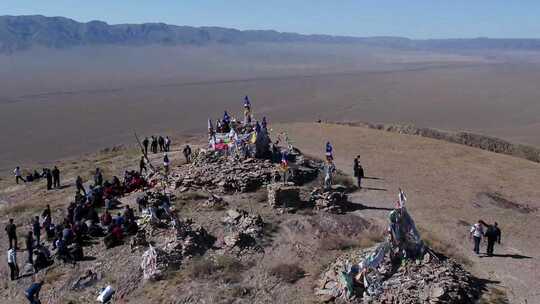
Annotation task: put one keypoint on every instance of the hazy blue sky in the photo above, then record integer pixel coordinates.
(412, 18)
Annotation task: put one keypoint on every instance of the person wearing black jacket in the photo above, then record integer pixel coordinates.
(358, 171)
(493, 234)
(30, 247)
(56, 177)
(11, 230)
(142, 165)
(161, 142)
(145, 143)
(49, 177)
(80, 185)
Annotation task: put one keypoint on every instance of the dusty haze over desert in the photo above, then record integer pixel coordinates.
(86, 98)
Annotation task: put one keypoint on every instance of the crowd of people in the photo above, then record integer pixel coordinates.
(81, 222)
(155, 143)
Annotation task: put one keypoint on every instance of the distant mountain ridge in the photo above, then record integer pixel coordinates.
(24, 32)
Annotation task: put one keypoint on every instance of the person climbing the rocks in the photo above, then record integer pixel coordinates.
(12, 264)
(18, 175)
(476, 233)
(493, 234)
(145, 143)
(56, 177)
(11, 231)
(166, 163)
(187, 153)
(32, 293)
(79, 184)
(142, 165)
(358, 171)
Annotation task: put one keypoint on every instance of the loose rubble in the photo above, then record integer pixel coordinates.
(213, 171)
(244, 230)
(332, 200)
(283, 195)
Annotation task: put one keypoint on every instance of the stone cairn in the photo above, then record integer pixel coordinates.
(216, 172)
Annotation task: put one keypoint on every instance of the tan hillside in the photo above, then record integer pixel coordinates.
(449, 186)
(446, 186)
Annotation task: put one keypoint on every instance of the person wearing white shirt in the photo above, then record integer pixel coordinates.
(476, 233)
(18, 175)
(12, 263)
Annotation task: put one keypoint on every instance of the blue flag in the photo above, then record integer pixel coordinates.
(226, 117)
(247, 103)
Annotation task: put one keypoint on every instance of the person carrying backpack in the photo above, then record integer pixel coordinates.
(493, 234)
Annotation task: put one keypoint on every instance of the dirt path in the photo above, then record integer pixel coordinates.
(445, 184)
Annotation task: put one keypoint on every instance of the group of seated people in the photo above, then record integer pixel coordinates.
(32, 177)
(115, 188)
(81, 223)
(123, 223)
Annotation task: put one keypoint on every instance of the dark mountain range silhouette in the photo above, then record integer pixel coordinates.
(24, 32)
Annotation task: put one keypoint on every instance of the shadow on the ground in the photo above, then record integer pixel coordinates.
(356, 206)
(512, 256)
(373, 177)
(372, 188)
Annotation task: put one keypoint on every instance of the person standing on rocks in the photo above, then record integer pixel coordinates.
(142, 165)
(12, 263)
(187, 153)
(329, 170)
(145, 143)
(11, 230)
(329, 151)
(476, 233)
(166, 163)
(493, 234)
(56, 177)
(18, 175)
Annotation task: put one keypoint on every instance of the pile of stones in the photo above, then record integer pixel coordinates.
(243, 229)
(188, 240)
(215, 172)
(283, 195)
(427, 280)
(332, 200)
